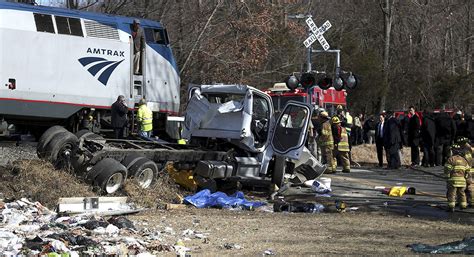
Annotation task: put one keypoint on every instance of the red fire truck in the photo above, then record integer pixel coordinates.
(327, 99)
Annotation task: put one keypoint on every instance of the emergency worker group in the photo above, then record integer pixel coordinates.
(331, 139)
(330, 142)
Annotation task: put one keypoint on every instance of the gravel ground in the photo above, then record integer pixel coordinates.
(253, 233)
(248, 233)
(10, 152)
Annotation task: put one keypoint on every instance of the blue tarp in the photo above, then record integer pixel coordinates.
(204, 199)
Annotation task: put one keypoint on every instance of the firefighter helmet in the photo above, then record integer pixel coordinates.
(324, 114)
(335, 120)
(457, 149)
(462, 140)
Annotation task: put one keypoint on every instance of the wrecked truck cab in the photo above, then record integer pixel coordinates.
(238, 114)
(233, 135)
(244, 116)
(240, 117)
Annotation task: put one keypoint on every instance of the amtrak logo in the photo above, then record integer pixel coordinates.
(101, 67)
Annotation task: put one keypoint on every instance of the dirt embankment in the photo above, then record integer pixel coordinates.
(366, 155)
(39, 181)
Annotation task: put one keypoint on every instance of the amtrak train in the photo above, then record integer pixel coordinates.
(61, 66)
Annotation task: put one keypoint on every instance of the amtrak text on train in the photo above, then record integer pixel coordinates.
(105, 52)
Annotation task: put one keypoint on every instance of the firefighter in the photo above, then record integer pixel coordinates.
(326, 142)
(457, 170)
(346, 122)
(145, 119)
(467, 149)
(341, 144)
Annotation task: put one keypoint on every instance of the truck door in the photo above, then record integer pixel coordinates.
(290, 130)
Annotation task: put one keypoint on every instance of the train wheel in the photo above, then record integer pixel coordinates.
(45, 138)
(279, 171)
(109, 175)
(60, 148)
(144, 171)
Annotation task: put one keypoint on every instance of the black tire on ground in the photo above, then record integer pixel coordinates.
(144, 172)
(131, 159)
(45, 138)
(279, 169)
(206, 183)
(81, 132)
(60, 148)
(109, 175)
(90, 135)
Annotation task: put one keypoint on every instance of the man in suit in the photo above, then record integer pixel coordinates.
(392, 138)
(379, 139)
(119, 116)
(414, 125)
(445, 135)
(428, 136)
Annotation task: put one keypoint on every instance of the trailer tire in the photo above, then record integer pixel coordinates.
(45, 138)
(82, 132)
(108, 174)
(144, 172)
(279, 169)
(90, 135)
(131, 159)
(60, 149)
(206, 183)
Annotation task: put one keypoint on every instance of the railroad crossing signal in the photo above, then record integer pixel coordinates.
(317, 34)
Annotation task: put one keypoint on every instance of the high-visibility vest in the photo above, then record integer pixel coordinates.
(145, 118)
(343, 146)
(456, 169)
(348, 123)
(326, 139)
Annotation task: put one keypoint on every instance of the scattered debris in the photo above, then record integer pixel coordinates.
(96, 205)
(231, 246)
(322, 187)
(29, 228)
(340, 206)
(466, 246)
(269, 252)
(298, 207)
(173, 206)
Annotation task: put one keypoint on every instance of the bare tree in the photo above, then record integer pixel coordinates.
(387, 7)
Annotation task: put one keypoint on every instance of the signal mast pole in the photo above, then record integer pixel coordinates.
(309, 50)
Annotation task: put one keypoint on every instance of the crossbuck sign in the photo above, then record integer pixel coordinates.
(317, 34)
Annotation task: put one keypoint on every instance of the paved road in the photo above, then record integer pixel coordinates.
(357, 189)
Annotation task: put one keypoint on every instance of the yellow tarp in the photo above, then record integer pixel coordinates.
(397, 191)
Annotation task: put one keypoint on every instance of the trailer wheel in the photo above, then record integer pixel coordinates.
(109, 175)
(89, 135)
(60, 149)
(144, 171)
(82, 132)
(131, 159)
(45, 138)
(206, 183)
(279, 169)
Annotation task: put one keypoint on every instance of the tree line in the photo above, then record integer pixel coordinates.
(412, 52)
